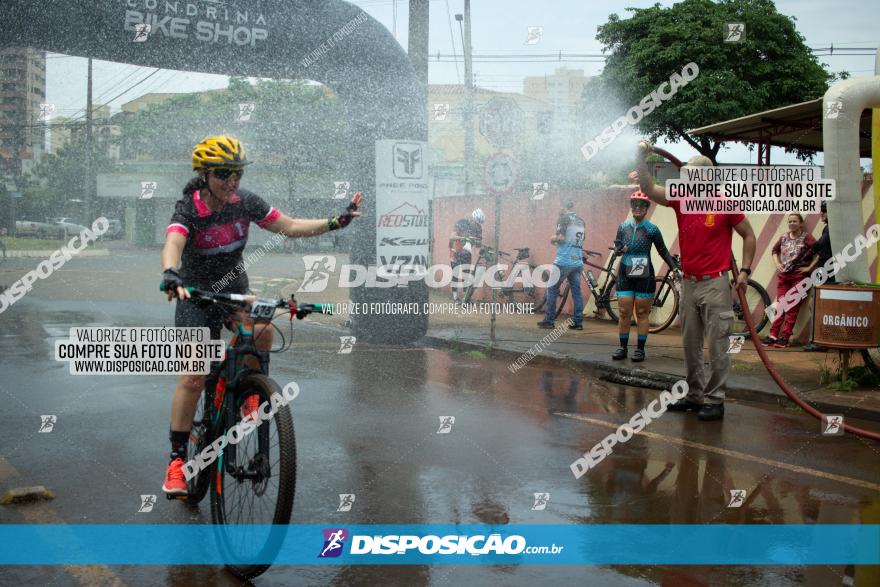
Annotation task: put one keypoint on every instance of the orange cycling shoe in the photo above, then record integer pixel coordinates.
(175, 481)
(250, 406)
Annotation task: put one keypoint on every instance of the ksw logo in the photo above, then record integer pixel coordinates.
(407, 160)
(402, 242)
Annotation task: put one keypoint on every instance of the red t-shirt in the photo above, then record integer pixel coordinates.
(705, 240)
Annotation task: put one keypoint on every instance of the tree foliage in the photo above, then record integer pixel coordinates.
(59, 179)
(293, 126)
(770, 68)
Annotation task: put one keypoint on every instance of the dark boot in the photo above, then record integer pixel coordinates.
(620, 354)
(638, 356)
(711, 412)
(684, 405)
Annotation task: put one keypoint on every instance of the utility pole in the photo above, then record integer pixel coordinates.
(468, 103)
(875, 153)
(89, 172)
(418, 39)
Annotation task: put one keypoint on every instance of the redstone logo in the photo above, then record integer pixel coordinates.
(404, 216)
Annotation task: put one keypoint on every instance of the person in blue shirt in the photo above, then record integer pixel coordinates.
(635, 281)
(569, 239)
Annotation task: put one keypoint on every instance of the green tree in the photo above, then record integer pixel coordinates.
(58, 179)
(295, 128)
(771, 68)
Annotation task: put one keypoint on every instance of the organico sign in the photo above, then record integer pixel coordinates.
(207, 22)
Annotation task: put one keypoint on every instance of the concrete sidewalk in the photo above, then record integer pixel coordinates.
(749, 380)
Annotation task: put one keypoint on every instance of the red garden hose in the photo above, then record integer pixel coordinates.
(778, 378)
(760, 348)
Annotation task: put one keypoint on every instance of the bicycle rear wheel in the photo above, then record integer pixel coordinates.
(561, 299)
(871, 357)
(255, 484)
(664, 307)
(757, 299)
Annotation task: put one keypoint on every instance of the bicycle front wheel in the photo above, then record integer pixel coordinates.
(199, 438)
(757, 299)
(664, 307)
(252, 492)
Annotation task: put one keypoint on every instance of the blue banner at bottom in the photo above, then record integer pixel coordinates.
(431, 544)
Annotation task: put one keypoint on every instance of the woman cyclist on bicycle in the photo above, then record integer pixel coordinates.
(636, 277)
(205, 239)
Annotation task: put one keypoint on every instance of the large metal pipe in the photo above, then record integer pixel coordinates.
(842, 109)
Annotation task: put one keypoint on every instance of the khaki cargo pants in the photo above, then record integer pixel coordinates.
(706, 313)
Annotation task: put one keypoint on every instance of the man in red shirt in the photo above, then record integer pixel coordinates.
(706, 305)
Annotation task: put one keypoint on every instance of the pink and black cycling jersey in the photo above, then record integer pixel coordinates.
(215, 240)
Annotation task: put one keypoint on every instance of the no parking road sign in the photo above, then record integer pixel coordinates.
(500, 174)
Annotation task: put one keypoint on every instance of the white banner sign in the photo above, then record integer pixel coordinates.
(402, 220)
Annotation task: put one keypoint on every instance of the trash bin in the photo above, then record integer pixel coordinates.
(847, 316)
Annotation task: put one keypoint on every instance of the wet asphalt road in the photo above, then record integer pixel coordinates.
(366, 424)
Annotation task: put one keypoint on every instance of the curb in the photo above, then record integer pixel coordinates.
(652, 379)
(46, 254)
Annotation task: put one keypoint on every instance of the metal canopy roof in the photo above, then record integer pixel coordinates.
(798, 125)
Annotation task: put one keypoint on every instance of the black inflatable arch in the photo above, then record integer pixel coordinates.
(329, 41)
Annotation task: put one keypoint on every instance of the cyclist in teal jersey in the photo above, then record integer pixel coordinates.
(635, 282)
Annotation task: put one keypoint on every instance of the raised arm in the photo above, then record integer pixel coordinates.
(299, 227)
(646, 182)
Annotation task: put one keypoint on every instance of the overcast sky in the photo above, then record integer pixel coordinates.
(499, 26)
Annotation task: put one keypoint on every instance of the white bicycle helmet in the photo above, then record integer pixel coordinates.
(478, 216)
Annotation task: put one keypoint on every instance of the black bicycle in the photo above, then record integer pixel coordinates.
(604, 295)
(252, 481)
(487, 257)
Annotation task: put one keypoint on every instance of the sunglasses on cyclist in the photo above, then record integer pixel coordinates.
(224, 174)
(638, 205)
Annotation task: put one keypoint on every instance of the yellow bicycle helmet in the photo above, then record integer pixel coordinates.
(219, 151)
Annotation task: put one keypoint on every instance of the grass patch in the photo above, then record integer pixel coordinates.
(858, 376)
(31, 244)
(475, 354)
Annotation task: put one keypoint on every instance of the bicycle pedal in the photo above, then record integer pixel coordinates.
(170, 497)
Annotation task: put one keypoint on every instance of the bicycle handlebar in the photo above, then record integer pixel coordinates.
(255, 304)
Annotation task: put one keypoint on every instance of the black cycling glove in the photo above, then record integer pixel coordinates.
(344, 219)
(171, 280)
